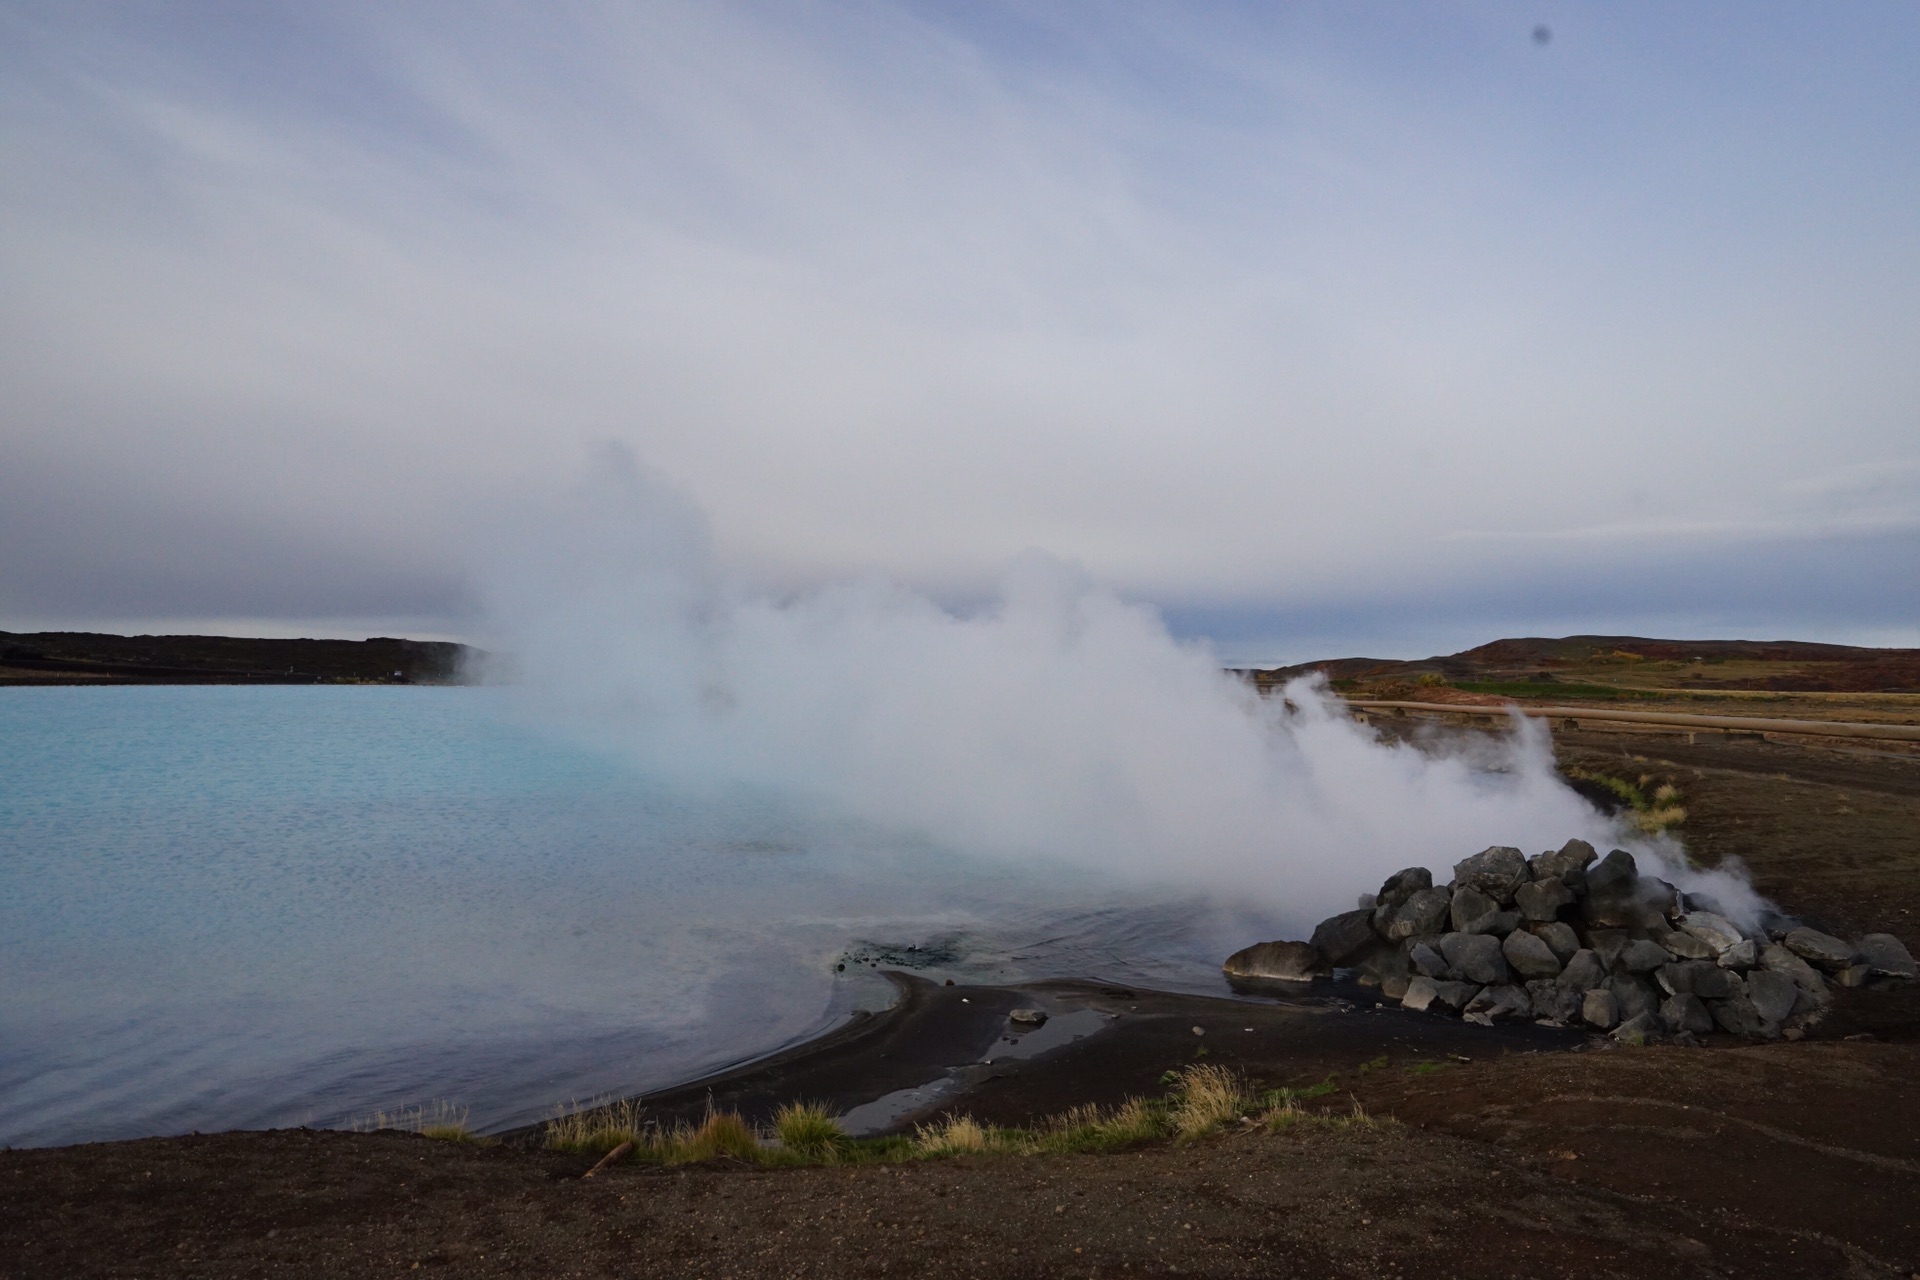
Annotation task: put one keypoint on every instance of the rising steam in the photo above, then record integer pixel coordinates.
(1060, 722)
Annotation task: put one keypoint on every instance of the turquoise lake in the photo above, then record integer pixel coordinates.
(227, 907)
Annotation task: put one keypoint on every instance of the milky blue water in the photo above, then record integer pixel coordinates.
(249, 907)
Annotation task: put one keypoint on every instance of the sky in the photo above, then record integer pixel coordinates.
(1325, 329)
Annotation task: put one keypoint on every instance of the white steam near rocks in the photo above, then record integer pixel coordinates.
(1058, 722)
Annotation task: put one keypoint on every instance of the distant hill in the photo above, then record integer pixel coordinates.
(80, 657)
(1617, 666)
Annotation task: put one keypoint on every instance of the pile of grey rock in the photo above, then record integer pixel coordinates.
(1572, 938)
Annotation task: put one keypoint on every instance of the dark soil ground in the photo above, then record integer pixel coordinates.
(1522, 1153)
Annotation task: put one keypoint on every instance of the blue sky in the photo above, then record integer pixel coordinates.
(1326, 328)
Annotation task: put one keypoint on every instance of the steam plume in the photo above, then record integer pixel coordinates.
(1060, 722)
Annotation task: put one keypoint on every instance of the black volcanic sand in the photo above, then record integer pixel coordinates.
(961, 1034)
(1509, 1159)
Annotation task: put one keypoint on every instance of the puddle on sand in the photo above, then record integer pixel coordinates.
(1055, 1031)
(889, 1109)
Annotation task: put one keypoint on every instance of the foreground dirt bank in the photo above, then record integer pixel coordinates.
(1786, 1160)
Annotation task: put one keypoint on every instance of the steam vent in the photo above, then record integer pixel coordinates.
(1572, 938)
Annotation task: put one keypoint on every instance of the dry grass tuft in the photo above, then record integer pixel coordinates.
(439, 1120)
(596, 1127)
(1206, 1098)
(957, 1136)
(808, 1129)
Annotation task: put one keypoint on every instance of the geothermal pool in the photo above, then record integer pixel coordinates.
(244, 907)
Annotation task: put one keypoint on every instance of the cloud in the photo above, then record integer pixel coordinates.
(1231, 307)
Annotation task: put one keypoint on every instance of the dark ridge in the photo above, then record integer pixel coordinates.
(80, 657)
(1787, 666)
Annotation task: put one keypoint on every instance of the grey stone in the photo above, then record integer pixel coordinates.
(1685, 1012)
(1598, 1008)
(1429, 994)
(1560, 937)
(1552, 1001)
(1402, 885)
(1501, 1003)
(1530, 956)
(1613, 891)
(1027, 1017)
(1855, 975)
(1676, 979)
(1423, 911)
(1659, 901)
(1641, 956)
(1633, 997)
(1277, 962)
(1583, 972)
(1775, 958)
(1542, 899)
(1607, 944)
(1495, 871)
(1773, 995)
(1716, 931)
(1822, 950)
(1378, 961)
(1426, 961)
(1886, 955)
(1339, 938)
(1741, 956)
(1568, 864)
(1394, 988)
(1711, 982)
(1737, 1016)
(1472, 911)
(1638, 1029)
(1687, 947)
(1476, 957)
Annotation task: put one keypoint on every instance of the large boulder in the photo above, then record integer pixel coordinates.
(1340, 938)
(1737, 1016)
(1598, 1008)
(1429, 994)
(1277, 962)
(1475, 957)
(1714, 930)
(1402, 885)
(1885, 956)
(1501, 1003)
(1560, 937)
(1613, 891)
(1530, 956)
(1687, 947)
(1641, 956)
(1822, 950)
(1542, 899)
(1685, 1012)
(1568, 865)
(1774, 995)
(1775, 958)
(1424, 960)
(1741, 956)
(1472, 911)
(1584, 971)
(1496, 871)
(1607, 944)
(1659, 901)
(1552, 1001)
(1422, 911)
(1633, 997)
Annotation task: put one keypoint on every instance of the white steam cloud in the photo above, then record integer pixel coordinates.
(1059, 722)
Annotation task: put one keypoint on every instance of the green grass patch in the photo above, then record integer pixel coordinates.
(1550, 689)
